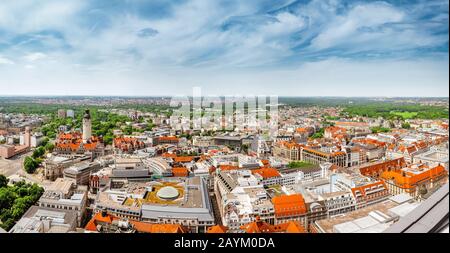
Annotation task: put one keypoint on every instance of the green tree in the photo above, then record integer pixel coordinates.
(30, 164)
(49, 147)
(6, 198)
(3, 181)
(318, 134)
(107, 139)
(44, 142)
(406, 125)
(380, 130)
(38, 152)
(16, 200)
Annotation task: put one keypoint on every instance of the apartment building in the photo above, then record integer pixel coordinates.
(415, 179)
(65, 195)
(322, 155)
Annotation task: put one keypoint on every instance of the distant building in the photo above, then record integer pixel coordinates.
(46, 220)
(79, 173)
(334, 132)
(242, 199)
(414, 179)
(65, 195)
(102, 222)
(63, 128)
(366, 191)
(127, 144)
(166, 140)
(132, 168)
(37, 139)
(290, 208)
(259, 146)
(339, 202)
(55, 165)
(408, 151)
(433, 158)
(227, 140)
(287, 150)
(375, 169)
(202, 141)
(319, 156)
(159, 166)
(70, 114)
(271, 176)
(373, 219)
(259, 226)
(73, 143)
(177, 201)
(7, 151)
(354, 129)
(62, 113)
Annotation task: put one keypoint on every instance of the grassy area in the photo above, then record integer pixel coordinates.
(380, 130)
(299, 164)
(396, 111)
(405, 115)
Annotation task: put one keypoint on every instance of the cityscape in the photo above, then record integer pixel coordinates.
(230, 118)
(123, 166)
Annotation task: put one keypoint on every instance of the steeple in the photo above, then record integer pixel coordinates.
(87, 131)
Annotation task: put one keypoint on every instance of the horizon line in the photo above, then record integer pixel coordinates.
(162, 96)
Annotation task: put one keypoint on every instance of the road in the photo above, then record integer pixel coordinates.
(13, 168)
(9, 167)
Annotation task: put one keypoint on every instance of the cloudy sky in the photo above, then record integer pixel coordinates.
(165, 47)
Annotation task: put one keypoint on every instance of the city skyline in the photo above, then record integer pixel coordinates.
(164, 48)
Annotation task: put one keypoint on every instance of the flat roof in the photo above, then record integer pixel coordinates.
(328, 224)
(430, 216)
(403, 209)
(401, 198)
(61, 184)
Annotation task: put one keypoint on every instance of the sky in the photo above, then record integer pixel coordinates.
(226, 47)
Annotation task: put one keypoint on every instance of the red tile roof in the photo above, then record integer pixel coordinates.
(264, 227)
(180, 172)
(217, 229)
(141, 227)
(267, 172)
(289, 205)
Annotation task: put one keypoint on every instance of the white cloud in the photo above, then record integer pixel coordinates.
(344, 29)
(35, 56)
(6, 61)
(332, 77)
(29, 16)
(190, 48)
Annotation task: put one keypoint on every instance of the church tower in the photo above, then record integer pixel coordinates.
(87, 131)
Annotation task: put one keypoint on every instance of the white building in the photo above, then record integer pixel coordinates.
(36, 139)
(70, 114)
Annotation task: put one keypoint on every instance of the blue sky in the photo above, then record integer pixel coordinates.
(286, 47)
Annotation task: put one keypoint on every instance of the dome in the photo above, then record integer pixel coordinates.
(168, 193)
